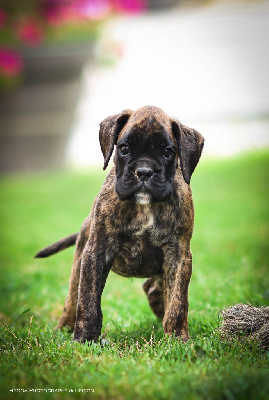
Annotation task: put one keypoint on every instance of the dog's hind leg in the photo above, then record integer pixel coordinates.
(68, 317)
(153, 288)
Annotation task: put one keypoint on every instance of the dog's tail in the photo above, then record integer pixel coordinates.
(58, 246)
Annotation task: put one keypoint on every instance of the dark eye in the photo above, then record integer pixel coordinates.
(168, 153)
(124, 150)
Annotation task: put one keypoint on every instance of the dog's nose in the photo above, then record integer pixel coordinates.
(144, 173)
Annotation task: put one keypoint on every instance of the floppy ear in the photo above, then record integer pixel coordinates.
(109, 132)
(190, 145)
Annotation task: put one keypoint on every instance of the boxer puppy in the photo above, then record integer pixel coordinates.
(141, 222)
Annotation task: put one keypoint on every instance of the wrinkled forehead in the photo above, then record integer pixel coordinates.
(148, 123)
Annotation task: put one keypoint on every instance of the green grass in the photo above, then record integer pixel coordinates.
(230, 265)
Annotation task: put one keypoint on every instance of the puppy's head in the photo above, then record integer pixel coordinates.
(148, 147)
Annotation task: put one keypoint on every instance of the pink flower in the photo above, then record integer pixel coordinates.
(56, 12)
(10, 62)
(93, 9)
(30, 33)
(129, 6)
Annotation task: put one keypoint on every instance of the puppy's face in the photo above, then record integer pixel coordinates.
(146, 161)
(149, 145)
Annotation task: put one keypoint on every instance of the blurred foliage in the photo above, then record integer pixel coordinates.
(33, 23)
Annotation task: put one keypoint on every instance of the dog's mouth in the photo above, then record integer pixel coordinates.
(143, 190)
(143, 193)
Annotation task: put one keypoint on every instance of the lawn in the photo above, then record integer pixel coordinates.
(136, 360)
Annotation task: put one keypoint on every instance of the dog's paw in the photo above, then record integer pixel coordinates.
(185, 337)
(65, 323)
(85, 333)
(85, 339)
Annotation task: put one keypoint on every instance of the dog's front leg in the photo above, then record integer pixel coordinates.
(93, 274)
(176, 278)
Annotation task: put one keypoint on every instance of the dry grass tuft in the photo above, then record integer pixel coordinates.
(244, 320)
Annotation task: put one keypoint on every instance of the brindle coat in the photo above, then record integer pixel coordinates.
(140, 224)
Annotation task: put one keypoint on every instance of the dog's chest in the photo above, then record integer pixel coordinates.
(140, 252)
(143, 221)
(148, 223)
